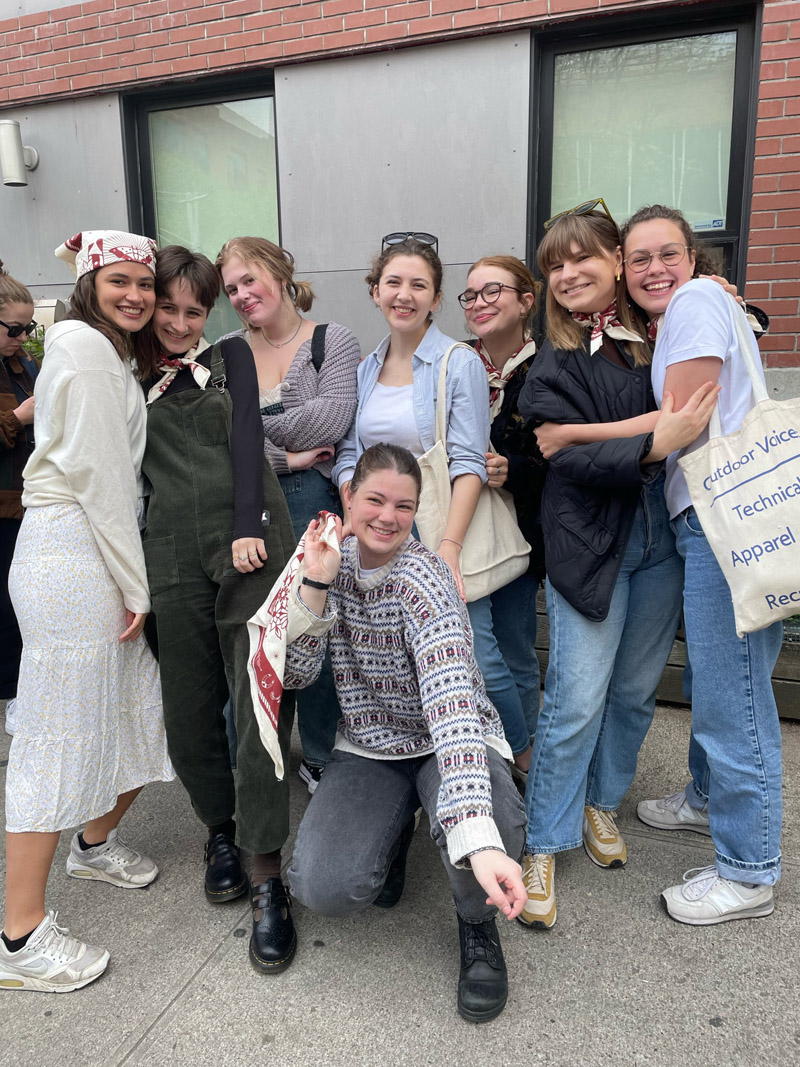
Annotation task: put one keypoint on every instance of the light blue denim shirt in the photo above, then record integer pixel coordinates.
(467, 405)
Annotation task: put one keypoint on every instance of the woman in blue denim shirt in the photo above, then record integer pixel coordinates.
(397, 386)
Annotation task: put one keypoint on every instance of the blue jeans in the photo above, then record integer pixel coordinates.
(735, 750)
(600, 687)
(504, 630)
(308, 492)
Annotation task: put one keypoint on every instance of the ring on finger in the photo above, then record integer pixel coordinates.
(242, 559)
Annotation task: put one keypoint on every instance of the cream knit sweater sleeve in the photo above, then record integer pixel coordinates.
(90, 435)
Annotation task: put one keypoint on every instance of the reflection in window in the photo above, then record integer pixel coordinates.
(646, 123)
(214, 177)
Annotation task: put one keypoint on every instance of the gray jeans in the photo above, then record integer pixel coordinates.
(350, 832)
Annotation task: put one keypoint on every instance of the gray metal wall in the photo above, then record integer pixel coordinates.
(79, 183)
(432, 138)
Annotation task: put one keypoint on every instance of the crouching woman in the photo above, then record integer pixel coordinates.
(417, 729)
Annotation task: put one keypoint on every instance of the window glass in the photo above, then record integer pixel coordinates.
(214, 177)
(646, 123)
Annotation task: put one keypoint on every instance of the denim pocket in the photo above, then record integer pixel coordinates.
(161, 562)
(693, 523)
(211, 429)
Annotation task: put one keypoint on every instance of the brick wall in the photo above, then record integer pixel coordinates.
(117, 44)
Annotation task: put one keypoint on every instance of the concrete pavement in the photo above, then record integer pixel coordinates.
(615, 981)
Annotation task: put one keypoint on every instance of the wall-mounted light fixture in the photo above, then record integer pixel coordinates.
(15, 159)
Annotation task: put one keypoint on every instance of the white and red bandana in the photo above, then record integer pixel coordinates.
(98, 248)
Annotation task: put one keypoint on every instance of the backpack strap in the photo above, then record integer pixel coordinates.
(318, 346)
(217, 368)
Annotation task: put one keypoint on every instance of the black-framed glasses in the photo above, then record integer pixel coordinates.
(581, 209)
(414, 235)
(490, 293)
(15, 331)
(670, 255)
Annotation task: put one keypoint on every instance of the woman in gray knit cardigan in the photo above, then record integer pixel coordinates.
(417, 729)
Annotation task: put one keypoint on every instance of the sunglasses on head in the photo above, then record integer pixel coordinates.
(581, 209)
(15, 331)
(413, 235)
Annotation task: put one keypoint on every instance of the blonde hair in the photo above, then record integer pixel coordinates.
(259, 254)
(595, 235)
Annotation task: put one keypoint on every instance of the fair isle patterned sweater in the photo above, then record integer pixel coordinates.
(407, 680)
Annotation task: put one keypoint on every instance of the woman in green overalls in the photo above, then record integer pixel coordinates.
(218, 535)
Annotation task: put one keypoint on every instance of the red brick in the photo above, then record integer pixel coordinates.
(16, 79)
(49, 59)
(349, 39)
(186, 33)
(524, 10)
(783, 307)
(762, 220)
(38, 75)
(780, 90)
(777, 201)
(765, 183)
(39, 19)
(150, 9)
(242, 7)
(192, 63)
(107, 33)
(787, 236)
(793, 68)
(170, 51)
(201, 48)
(558, 6)
(777, 12)
(17, 65)
(300, 47)
(768, 109)
(9, 24)
(396, 32)
(792, 144)
(364, 18)
(771, 71)
(779, 344)
(789, 181)
(21, 37)
(776, 127)
(169, 22)
(133, 59)
(134, 29)
(264, 51)
(757, 290)
(320, 26)
(113, 48)
(341, 7)
(438, 7)
(210, 14)
(126, 3)
(431, 25)
(787, 359)
(182, 5)
(52, 29)
(401, 12)
(228, 58)
(223, 27)
(794, 29)
(767, 271)
(302, 13)
(154, 70)
(484, 17)
(788, 218)
(761, 254)
(786, 288)
(280, 33)
(114, 18)
(786, 50)
(244, 40)
(266, 18)
(791, 107)
(69, 70)
(776, 164)
(94, 6)
(775, 31)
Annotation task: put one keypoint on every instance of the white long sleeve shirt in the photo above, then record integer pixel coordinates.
(90, 437)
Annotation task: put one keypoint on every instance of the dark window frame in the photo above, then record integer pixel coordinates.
(684, 22)
(137, 106)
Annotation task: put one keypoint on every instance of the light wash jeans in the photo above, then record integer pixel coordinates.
(308, 492)
(735, 748)
(504, 630)
(351, 830)
(600, 687)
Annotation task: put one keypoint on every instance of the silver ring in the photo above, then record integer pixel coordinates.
(242, 559)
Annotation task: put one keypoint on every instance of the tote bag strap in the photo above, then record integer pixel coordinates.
(441, 392)
(744, 336)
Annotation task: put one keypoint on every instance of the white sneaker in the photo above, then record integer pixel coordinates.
(51, 961)
(11, 716)
(708, 898)
(111, 862)
(310, 775)
(602, 840)
(538, 877)
(674, 813)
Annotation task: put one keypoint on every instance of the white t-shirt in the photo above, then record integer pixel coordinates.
(388, 415)
(699, 322)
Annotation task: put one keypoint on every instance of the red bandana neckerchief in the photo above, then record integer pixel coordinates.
(169, 368)
(498, 379)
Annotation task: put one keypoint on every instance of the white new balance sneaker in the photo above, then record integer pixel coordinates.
(674, 813)
(51, 961)
(708, 898)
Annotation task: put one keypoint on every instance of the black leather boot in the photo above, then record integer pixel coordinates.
(483, 981)
(396, 876)
(274, 941)
(225, 879)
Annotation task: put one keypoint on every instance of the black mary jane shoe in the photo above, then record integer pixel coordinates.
(483, 981)
(225, 879)
(274, 941)
(396, 876)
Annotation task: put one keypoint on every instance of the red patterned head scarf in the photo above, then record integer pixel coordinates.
(92, 249)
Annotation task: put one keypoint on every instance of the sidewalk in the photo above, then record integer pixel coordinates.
(615, 981)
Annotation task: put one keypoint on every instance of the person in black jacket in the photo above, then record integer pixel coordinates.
(614, 579)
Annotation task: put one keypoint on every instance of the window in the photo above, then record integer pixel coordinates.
(207, 171)
(650, 119)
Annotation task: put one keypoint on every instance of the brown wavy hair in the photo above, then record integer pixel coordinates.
(707, 259)
(595, 235)
(12, 291)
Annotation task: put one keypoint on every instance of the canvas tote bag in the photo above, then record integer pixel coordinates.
(494, 552)
(745, 488)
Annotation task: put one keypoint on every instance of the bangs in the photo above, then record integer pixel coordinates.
(594, 235)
